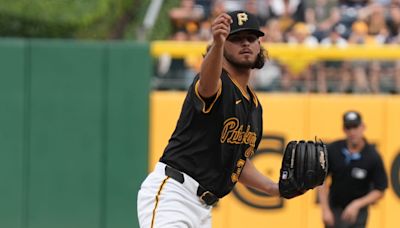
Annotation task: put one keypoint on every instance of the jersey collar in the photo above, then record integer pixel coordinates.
(244, 94)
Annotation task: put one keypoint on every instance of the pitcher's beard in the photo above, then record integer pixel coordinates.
(247, 64)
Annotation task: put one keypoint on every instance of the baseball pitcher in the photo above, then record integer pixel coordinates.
(219, 129)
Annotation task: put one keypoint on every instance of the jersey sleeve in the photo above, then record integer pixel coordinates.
(202, 104)
(379, 177)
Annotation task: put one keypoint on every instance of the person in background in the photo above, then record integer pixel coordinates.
(175, 73)
(268, 78)
(361, 68)
(358, 177)
(333, 73)
(298, 76)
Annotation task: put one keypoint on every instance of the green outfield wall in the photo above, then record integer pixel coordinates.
(73, 132)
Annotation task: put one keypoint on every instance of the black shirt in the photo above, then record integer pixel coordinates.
(354, 178)
(212, 141)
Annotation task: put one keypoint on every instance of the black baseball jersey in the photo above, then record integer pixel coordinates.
(354, 177)
(214, 136)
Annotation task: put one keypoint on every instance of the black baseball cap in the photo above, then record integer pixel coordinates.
(244, 21)
(351, 119)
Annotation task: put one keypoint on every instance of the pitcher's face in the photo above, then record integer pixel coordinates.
(241, 49)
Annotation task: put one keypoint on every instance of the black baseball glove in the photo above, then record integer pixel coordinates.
(304, 166)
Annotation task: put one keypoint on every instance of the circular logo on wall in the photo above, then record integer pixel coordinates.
(395, 175)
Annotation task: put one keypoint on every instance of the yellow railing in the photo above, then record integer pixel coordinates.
(287, 51)
(295, 56)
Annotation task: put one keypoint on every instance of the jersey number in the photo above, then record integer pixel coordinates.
(239, 168)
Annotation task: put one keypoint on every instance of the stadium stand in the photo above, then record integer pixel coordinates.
(313, 23)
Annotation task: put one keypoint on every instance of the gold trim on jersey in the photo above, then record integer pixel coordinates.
(204, 110)
(244, 93)
(255, 100)
(157, 199)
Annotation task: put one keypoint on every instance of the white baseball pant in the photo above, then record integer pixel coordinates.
(164, 202)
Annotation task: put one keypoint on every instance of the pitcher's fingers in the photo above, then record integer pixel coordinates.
(224, 33)
(226, 16)
(223, 18)
(220, 26)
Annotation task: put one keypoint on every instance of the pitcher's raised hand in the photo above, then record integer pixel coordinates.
(220, 28)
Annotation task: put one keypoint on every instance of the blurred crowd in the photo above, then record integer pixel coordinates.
(308, 22)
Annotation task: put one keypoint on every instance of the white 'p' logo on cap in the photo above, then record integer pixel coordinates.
(242, 17)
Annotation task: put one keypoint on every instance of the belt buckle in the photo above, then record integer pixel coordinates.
(211, 200)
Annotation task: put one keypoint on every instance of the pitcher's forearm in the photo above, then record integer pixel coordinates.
(251, 177)
(211, 70)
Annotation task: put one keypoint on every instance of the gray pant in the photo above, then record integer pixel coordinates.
(360, 222)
